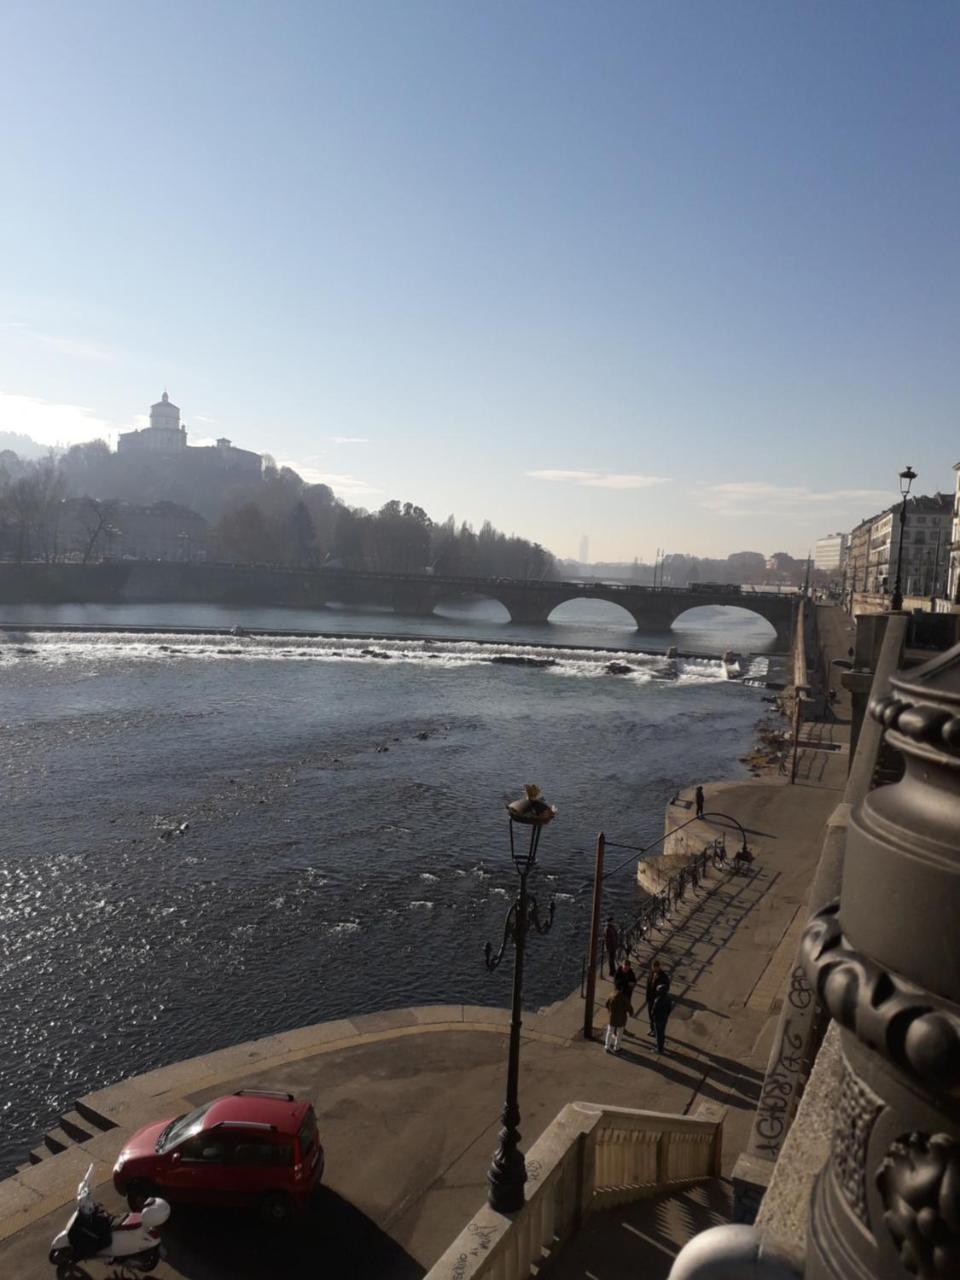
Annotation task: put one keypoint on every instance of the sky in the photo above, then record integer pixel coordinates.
(679, 274)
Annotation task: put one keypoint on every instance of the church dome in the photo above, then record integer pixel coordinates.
(165, 402)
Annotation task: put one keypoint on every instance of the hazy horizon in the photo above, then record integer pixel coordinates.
(675, 276)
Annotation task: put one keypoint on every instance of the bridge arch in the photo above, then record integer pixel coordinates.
(604, 612)
(749, 627)
(473, 607)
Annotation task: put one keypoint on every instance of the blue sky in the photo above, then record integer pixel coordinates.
(673, 274)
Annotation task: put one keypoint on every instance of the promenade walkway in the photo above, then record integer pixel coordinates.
(408, 1100)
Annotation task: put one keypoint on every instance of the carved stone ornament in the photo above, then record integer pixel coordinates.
(856, 1112)
(919, 1184)
(909, 1026)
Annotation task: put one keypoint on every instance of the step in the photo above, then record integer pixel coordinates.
(76, 1127)
(57, 1140)
(39, 1154)
(90, 1115)
(642, 1238)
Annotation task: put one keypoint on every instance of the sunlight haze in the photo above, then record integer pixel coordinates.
(677, 276)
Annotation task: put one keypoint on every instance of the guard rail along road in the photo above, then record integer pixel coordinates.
(591, 1157)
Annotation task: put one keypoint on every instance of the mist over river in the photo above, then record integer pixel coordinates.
(206, 839)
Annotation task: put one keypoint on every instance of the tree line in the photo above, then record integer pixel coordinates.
(73, 506)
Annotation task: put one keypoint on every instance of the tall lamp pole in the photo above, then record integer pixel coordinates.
(907, 477)
(508, 1171)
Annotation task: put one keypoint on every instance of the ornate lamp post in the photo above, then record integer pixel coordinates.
(885, 963)
(907, 477)
(508, 1172)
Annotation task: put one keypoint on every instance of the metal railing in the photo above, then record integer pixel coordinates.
(658, 908)
(591, 1157)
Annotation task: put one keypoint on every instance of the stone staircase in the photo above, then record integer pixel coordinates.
(641, 1238)
(75, 1128)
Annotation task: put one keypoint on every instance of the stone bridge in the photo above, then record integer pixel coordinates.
(417, 594)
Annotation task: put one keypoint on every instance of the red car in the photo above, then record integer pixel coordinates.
(251, 1148)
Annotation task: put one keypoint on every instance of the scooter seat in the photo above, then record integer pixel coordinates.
(130, 1223)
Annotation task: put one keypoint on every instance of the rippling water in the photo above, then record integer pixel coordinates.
(209, 838)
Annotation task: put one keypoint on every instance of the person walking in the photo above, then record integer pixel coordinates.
(661, 1008)
(611, 941)
(698, 796)
(619, 1009)
(655, 972)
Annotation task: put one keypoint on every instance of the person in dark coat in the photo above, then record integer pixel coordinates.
(660, 1008)
(625, 979)
(611, 940)
(655, 972)
(698, 796)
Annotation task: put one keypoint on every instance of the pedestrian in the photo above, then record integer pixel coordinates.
(625, 979)
(655, 973)
(698, 796)
(660, 1009)
(612, 942)
(619, 1008)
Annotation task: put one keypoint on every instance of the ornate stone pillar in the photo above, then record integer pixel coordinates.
(885, 961)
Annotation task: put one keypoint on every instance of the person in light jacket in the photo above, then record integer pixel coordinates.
(619, 1009)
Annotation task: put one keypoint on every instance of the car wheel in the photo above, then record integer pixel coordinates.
(276, 1209)
(146, 1261)
(138, 1193)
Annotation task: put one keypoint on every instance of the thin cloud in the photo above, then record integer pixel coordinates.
(349, 440)
(82, 348)
(49, 423)
(758, 498)
(600, 479)
(344, 485)
(199, 417)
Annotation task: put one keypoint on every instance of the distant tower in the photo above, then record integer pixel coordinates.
(165, 414)
(584, 549)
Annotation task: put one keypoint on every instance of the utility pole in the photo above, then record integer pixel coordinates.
(591, 991)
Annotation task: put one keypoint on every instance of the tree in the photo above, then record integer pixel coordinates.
(95, 518)
(244, 537)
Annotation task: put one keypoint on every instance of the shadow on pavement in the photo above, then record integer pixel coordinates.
(333, 1239)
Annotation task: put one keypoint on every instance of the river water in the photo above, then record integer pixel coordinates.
(208, 839)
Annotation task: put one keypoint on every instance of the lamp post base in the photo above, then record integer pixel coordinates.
(507, 1179)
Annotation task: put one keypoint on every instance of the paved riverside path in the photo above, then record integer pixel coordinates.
(408, 1100)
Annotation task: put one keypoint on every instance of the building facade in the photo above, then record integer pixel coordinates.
(927, 536)
(953, 572)
(165, 434)
(831, 553)
(166, 437)
(858, 553)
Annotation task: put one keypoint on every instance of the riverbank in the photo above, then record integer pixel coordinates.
(408, 1100)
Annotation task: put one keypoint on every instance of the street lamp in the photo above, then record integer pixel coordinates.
(907, 477)
(508, 1171)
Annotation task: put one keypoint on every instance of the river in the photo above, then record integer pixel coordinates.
(208, 839)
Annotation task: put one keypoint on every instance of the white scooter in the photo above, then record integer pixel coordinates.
(132, 1241)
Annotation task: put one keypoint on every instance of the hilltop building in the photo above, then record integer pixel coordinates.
(166, 437)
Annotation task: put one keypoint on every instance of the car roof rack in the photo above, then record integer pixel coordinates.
(263, 1093)
(243, 1124)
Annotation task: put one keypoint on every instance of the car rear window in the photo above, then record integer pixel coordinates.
(264, 1153)
(307, 1134)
